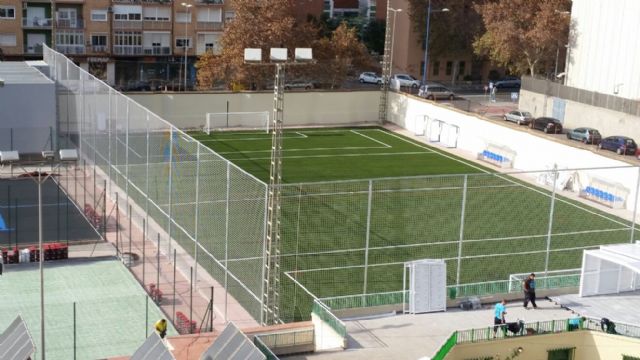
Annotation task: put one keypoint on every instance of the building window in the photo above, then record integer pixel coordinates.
(210, 15)
(7, 12)
(128, 17)
(183, 17)
(127, 38)
(561, 354)
(449, 69)
(8, 40)
(229, 15)
(156, 14)
(69, 38)
(461, 68)
(182, 42)
(98, 15)
(98, 40)
(435, 68)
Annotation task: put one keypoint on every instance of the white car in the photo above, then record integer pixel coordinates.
(519, 117)
(405, 80)
(370, 78)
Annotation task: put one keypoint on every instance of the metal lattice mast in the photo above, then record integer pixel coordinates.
(386, 70)
(271, 301)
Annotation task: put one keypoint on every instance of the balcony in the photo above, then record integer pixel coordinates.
(70, 49)
(99, 49)
(35, 49)
(127, 25)
(209, 2)
(156, 25)
(127, 50)
(36, 23)
(209, 26)
(157, 50)
(70, 24)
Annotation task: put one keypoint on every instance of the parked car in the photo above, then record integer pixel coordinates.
(622, 145)
(435, 91)
(405, 80)
(519, 117)
(585, 134)
(508, 84)
(370, 78)
(548, 125)
(307, 85)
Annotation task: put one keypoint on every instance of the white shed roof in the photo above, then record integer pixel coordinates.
(19, 72)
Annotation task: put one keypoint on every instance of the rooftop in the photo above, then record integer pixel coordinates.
(16, 72)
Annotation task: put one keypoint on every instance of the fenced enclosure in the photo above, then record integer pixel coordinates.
(338, 238)
(165, 181)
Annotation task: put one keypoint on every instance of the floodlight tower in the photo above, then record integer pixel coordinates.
(271, 274)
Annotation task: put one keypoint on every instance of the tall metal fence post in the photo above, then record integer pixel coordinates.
(144, 255)
(190, 299)
(551, 211)
(158, 264)
(461, 234)
(211, 317)
(146, 316)
(226, 242)
(195, 250)
(170, 219)
(126, 155)
(84, 181)
(366, 241)
(146, 194)
(117, 226)
(173, 311)
(635, 209)
(109, 146)
(74, 331)
(104, 210)
(130, 234)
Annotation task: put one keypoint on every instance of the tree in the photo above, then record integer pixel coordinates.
(257, 24)
(373, 36)
(338, 54)
(523, 35)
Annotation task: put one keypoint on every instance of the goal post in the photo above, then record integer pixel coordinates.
(226, 121)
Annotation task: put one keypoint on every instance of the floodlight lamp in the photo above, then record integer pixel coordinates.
(48, 155)
(9, 156)
(304, 54)
(445, 10)
(68, 155)
(1, 82)
(278, 55)
(252, 55)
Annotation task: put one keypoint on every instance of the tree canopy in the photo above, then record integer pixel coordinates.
(523, 35)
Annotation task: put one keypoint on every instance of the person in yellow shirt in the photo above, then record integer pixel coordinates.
(161, 328)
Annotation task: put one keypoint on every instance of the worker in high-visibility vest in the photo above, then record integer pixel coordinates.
(161, 328)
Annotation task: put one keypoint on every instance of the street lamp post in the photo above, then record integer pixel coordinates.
(393, 36)
(426, 41)
(184, 42)
(555, 71)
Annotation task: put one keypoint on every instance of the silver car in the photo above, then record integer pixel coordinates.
(370, 77)
(405, 80)
(519, 117)
(435, 91)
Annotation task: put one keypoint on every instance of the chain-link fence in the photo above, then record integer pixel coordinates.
(169, 186)
(353, 237)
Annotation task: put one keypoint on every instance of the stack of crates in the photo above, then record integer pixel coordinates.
(52, 251)
(184, 325)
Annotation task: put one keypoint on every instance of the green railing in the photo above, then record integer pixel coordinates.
(533, 328)
(365, 300)
(325, 314)
(446, 347)
(511, 286)
(264, 348)
(287, 338)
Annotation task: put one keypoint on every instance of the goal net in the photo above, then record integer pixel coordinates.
(237, 121)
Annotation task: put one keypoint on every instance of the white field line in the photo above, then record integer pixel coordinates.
(129, 147)
(268, 137)
(454, 242)
(507, 179)
(301, 134)
(310, 149)
(372, 139)
(334, 155)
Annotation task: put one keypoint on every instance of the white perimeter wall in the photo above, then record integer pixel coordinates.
(533, 151)
(606, 48)
(608, 122)
(300, 108)
(30, 109)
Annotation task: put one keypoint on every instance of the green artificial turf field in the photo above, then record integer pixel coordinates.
(329, 231)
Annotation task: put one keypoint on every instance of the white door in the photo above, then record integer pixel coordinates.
(34, 42)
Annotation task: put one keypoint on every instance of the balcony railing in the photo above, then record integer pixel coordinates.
(36, 23)
(127, 25)
(70, 24)
(35, 49)
(210, 26)
(210, 2)
(127, 50)
(156, 25)
(70, 49)
(99, 48)
(157, 50)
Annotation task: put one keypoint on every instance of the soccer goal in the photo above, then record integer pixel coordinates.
(237, 121)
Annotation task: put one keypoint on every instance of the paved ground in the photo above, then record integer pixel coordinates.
(419, 336)
(617, 307)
